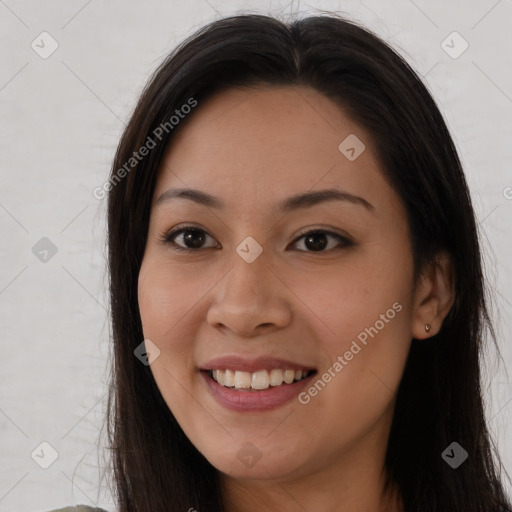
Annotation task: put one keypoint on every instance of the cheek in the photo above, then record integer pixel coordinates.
(364, 313)
(366, 357)
(166, 296)
(166, 300)
(171, 304)
(160, 312)
(350, 297)
(369, 331)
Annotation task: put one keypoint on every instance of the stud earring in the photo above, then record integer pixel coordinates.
(428, 327)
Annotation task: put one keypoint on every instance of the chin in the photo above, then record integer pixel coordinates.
(247, 463)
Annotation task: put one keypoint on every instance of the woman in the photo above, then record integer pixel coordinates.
(296, 285)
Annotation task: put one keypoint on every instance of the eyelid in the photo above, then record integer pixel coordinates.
(166, 236)
(345, 240)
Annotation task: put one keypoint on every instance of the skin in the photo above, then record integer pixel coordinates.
(253, 148)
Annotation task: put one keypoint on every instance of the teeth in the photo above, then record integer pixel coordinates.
(262, 379)
(219, 377)
(229, 378)
(289, 375)
(276, 377)
(242, 380)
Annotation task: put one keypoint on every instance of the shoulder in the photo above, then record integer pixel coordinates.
(78, 508)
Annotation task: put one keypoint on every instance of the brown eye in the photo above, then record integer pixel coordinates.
(188, 239)
(318, 240)
(192, 238)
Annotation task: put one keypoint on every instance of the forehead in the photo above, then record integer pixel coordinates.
(264, 143)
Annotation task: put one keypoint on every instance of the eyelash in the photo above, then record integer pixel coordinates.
(167, 237)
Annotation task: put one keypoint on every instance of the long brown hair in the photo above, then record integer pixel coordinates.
(155, 466)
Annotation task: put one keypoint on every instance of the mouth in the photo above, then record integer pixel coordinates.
(257, 391)
(259, 380)
(254, 384)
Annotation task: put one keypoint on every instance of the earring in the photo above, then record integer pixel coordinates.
(428, 327)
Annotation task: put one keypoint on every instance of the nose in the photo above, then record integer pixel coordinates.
(251, 299)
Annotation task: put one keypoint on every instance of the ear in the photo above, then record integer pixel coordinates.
(434, 296)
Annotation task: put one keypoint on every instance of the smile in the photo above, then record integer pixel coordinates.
(262, 379)
(259, 391)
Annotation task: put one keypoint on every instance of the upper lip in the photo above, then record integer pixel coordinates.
(246, 364)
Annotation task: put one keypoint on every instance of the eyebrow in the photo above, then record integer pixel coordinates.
(295, 202)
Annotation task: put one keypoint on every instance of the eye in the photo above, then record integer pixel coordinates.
(192, 237)
(317, 240)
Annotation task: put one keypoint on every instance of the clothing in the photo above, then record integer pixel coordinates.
(78, 508)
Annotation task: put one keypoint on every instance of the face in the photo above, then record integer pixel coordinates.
(259, 288)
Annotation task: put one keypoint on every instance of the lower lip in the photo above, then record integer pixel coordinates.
(263, 400)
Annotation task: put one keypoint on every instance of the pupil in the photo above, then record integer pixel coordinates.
(193, 238)
(316, 246)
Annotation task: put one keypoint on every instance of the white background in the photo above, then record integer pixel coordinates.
(60, 120)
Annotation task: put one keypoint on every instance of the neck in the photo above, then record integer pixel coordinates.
(263, 496)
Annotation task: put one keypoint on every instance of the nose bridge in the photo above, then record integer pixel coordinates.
(250, 295)
(249, 266)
